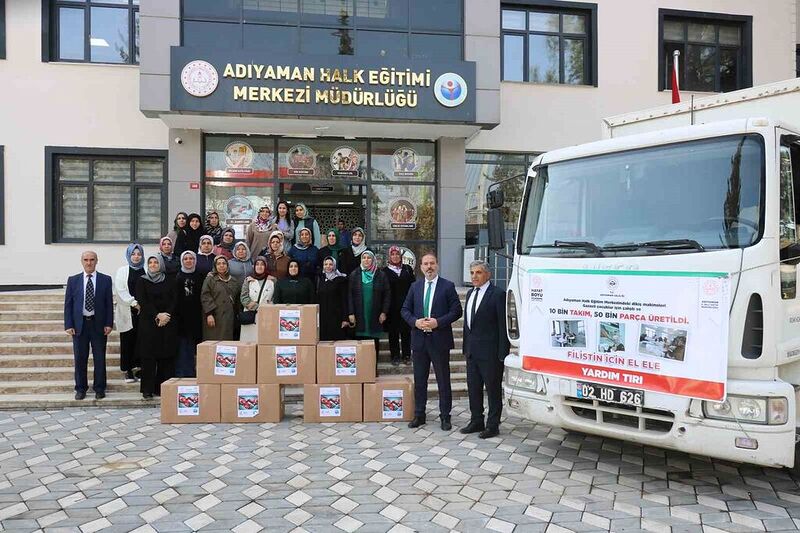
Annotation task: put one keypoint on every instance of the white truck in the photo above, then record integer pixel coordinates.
(654, 295)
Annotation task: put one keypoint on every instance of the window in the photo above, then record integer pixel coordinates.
(714, 51)
(91, 31)
(2, 29)
(789, 208)
(555, 42)
(100, 195)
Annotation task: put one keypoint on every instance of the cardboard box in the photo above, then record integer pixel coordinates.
(184, 401)
(346, 362)
(226, 362)
(287, 364)
(389, 399)
(288, 325)
(332, 403)
(253, 403)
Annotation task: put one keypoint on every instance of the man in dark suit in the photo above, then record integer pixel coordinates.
(88, 319)
(485, 347)
(431, 306)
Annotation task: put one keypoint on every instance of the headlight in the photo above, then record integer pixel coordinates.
(749, 409)
(525, 381)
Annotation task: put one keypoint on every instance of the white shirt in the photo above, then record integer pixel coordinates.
(86, 277)
(478, 293)
(426, 312)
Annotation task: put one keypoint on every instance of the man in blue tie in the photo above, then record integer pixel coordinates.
(88, 319)
(430, 308)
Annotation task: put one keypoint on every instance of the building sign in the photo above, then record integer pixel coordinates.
(248, 82)
(302, 160)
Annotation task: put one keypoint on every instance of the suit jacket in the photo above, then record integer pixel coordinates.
(103, 303)
(445, 308)
(487, 337)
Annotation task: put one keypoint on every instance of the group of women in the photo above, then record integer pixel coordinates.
(204, 284)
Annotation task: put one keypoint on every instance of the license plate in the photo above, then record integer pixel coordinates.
(604, 393)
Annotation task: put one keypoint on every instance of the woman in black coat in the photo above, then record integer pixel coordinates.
(332, 299)
(157, 340)
(350, 257)
(369, 301)
(189, 319)
(293, 289)
(400, 278)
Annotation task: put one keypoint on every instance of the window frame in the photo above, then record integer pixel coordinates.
(53, 210)
(50, 29)
(561, 7)
(745, 22)
(2, 30)
(2, 195)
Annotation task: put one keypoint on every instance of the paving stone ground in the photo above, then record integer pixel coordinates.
(90, 469)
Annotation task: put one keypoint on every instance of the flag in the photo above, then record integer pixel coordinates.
(676, 92)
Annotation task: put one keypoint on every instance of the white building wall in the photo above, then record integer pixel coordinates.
(57, 104)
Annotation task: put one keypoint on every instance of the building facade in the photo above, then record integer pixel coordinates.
(393, 115)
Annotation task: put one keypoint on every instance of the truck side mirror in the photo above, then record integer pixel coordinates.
(497, 229)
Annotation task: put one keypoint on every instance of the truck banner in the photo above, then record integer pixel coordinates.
(649, 331)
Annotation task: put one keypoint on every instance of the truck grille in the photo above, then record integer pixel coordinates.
(636, 418)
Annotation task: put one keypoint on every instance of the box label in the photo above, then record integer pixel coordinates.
(346, 361)
(330, 401)
(286, 360)
(289, 324)
(225, 361)
(392, 404)
(188, 400)
(246, 402)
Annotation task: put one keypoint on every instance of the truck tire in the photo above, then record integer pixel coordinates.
(795, 470)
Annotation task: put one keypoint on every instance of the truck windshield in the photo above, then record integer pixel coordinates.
(678, 198)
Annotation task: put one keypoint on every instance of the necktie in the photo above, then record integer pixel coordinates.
(89, 294)
(474, 308)
(427, 303)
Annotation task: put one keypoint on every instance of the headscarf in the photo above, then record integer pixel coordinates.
(333, 274)
(213, 231)
(368, 275)
(395, 267)
(289, 268)
(299, 244)
(161, 244)
(175, 225)
(256, 275)
(129, 252)
(214, 270)
(192, 236)
(183, 268)
(305, 211)
(263, 224)
(279, 235)
(247, 248)
(358, 250)
(222, 244)
(159, 276)
(205, 238)
(334, 248)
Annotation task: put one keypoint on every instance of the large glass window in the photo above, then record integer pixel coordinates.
(548, 44)
(326, 159)
(95, 31)
(108, 198)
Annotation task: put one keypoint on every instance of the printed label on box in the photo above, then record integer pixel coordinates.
(392, 404)
(286, 360)
(246, 403)
(346, 361)
(330, 401)
(289, 324)
(225, 360)
(188, 400)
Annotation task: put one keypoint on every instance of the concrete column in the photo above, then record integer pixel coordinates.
(451, 204)
(185, 166)
(160, 28)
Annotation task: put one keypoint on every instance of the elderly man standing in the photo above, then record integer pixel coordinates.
(485, 347)
(88, 319)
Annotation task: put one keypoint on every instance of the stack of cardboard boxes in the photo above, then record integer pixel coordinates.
(243, 382)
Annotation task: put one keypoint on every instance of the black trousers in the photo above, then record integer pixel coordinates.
(80, 349)
(154, 373)
(422, 360)
(485, 373)
(398, 338)
(128, 358)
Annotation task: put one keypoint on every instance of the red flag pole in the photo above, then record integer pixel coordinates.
(676, 92)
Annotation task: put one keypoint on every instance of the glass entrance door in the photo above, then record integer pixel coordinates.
(329, 202)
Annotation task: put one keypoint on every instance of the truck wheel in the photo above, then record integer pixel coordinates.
(795, 470)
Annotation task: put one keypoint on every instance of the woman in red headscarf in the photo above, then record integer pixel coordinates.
(400, 277)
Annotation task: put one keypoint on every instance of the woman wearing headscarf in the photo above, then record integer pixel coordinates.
(332, 247)
(189, 319)
(400, 278)
(294, 288)
(240, 266)
(277, 260)
(332, 300)
(220, 301)
(306, 254)
(126, 309)
(189, 238)
(257, 290)
(171, 261)
(213, 227)
(178, 227)
(285, 224)
(350, 258)
(225, 246)
(157, 341)
(205, 255)
(303, 219)
(369, 300)
(259, 230)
